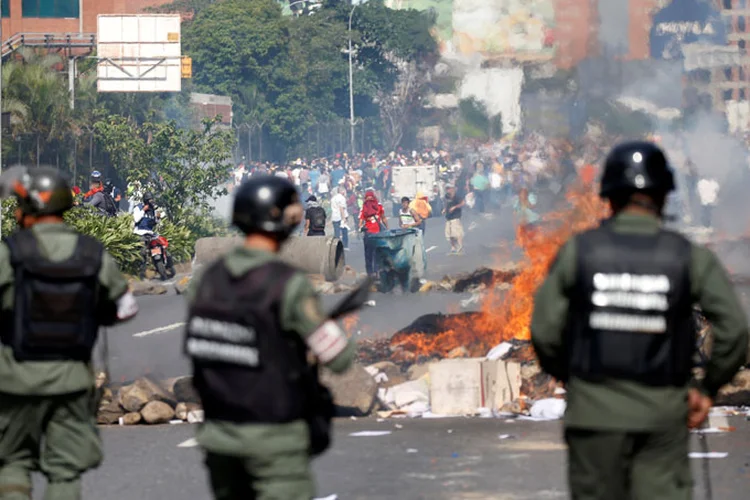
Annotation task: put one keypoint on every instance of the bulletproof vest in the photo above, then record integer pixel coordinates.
(317, 218)
(631, 314)
(246, 367)
(55, 311)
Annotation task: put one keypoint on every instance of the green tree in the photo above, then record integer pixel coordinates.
(185, 168)
(31, 79)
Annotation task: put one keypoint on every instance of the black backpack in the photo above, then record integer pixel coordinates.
(317, 218)
(110, 207)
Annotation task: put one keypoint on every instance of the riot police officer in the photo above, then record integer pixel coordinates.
(612, 321)
(252, 321)
(57, 288)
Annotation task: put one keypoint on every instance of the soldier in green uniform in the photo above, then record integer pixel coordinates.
(57, 287)
(612, 321)
(252, 322)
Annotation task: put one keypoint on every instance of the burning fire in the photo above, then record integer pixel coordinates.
(507, 315)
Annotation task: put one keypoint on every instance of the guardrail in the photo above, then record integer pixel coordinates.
(48, 40)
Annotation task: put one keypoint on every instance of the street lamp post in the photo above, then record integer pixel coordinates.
(351, 87)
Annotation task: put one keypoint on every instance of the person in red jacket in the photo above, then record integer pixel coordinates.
(371, 220)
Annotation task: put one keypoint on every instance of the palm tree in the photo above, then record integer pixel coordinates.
(34, 80)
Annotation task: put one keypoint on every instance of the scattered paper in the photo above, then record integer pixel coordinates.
(370, 303)
(714, 430)
(505, 436)
(329, 497)
(711, 454)
(369, 433)
(176, 422)
(412, 450)
(398, 426)
(381, 378)
(429, 414)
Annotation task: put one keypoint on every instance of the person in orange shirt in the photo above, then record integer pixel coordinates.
(421, 205)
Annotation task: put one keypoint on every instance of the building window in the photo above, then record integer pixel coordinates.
(49, 8)
(741, 24)
(741, 44)
(728, 74)
(727, 95)
(727, 4)
(741, 73)
(742, 94)
(6, 8)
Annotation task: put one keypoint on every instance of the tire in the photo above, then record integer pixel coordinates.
(171, 272)
(161, 269)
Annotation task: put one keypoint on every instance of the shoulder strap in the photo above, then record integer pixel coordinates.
(23, 246)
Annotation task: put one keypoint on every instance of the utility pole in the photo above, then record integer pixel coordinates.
(351, 87)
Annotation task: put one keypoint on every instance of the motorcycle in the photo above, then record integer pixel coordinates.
(157, 247)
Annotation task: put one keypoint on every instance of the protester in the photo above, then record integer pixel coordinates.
(708, 193)
(372, 221)
(340, 216)
(454, 230)
(315, 218)
(421, 206)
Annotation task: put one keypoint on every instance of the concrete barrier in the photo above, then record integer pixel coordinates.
(456, 386)
(461, 386)
(501, 383)
(312, 254)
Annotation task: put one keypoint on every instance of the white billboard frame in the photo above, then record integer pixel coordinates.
(139, 53)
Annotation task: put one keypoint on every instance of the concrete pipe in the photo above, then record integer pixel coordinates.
(316, 255)
(312, 254)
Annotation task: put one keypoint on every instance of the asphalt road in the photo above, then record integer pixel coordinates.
(150, 344)
(450, 459)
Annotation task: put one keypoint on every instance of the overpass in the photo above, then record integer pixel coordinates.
(70, 43)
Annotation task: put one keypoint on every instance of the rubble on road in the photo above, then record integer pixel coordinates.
(145, 401)
(478, 280)
(355, 391)
(139, 288)
(737, 392)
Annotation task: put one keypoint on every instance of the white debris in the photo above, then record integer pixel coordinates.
(549, 409)
(412, 450)
(403, 396)
(329, 497)
(381, 377)
(369, 433)
(711, 454)
(484, 413)
(398, 426)
(176, 421)
(429, 414)
(499, 351)
(475, 298)
(372, 370)
(195, 416)
(370, 303)
(505, 436)
(711, 430)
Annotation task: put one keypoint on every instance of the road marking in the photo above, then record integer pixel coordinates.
(190, 443)
(161, 329)
(433, 247)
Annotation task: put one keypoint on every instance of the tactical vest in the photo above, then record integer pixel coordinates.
(246, 367)
(631, 314)
(55, 310)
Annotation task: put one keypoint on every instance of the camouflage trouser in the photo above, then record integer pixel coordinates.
(56, 435)
(611, 465)
(279, 477)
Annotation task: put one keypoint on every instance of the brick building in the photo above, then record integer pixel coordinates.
(62, 16)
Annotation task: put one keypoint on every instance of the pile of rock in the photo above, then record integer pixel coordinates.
(146, 401)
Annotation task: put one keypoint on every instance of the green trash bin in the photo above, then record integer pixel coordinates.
(400, 258)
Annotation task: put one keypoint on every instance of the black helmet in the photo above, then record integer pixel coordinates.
(148, 196)
(108, 184)
(39, 190)
(636, 166)
(268, 204)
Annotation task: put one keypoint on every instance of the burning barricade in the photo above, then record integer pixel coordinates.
(462, 376)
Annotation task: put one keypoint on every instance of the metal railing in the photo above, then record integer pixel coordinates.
(48, 40)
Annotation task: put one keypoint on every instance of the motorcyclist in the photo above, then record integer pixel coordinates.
(97, 197)
(114, 192)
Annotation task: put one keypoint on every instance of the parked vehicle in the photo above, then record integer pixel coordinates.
(157, 248)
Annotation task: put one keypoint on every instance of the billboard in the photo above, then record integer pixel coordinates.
(139, 53)
(490, 27)
(684, 22)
